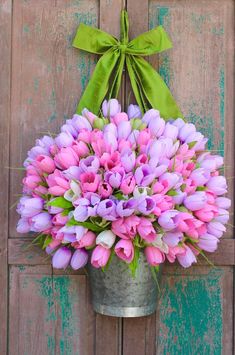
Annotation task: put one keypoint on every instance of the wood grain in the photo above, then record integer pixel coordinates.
(5, 77)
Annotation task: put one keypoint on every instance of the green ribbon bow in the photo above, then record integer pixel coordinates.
(149, 89)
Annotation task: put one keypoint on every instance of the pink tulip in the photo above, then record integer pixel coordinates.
(207, 213)
(146, 230)
(32, 181)
(119, 117)
(57, 183)
(124, 250)
(173, 252)
(104, 189)
(126, 228)
(59, 219)
(154, 256)
(80, 148)
(89, 181)
(66, 158)
(100, 256)
(128, 184)
(87, 240)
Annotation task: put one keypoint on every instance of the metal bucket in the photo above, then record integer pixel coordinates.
(117, 293)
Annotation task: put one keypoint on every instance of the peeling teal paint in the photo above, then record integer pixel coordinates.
(87, 18)
(221, 86)
(52, 104)
(164, 68)
(36, 84)
(46, 291)
(198, 21)
(50, 344)
(191, 315)
(26, 29)
(218, 31)
(163, 12)
(52, 117)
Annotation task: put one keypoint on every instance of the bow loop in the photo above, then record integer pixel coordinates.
(149, 89)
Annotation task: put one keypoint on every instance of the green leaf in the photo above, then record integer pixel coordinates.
(119, 196)
(105, 268)
(39, 240)
(135, 262)
(172, 193)
(89, 225)
(201, 188)
(47, 241)
(155, 271)
(192, 144)
(60, 202)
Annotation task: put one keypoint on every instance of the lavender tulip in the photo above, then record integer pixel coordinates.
(114, 178)
(171, 131)
(124, 129)
(128, 160)
(107, 210)
(61, 258)
(64, 139)
(79, 259)
(218, 185)
(80, 122)
(144, 175)
(73, 172)
(186, 130)
(90, 164)
(179, 122)
(156, 126)
(187, 259)
(23, 225)
(195, 201)
(146, 205)
(68, 127)
(133, 111)
(151, 115)
(126, 208)
(172, 239)
(81, 212)
(222, 217)
(111, 108)
(167, 220)
(216, 228)
(106, 239)
(199, 139)
(41, 222)
(174, 180)
(29, 207)
(200, 176)
(208, 242)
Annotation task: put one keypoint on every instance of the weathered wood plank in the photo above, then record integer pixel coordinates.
(48, 75)
(191, 312)
(49, 314)
(5, 65)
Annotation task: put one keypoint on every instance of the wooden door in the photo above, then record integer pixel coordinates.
(43, 311)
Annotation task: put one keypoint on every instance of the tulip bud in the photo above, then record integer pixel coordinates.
(61, 258)
(79, 259)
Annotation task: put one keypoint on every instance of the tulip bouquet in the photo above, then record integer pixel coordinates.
(121, 183)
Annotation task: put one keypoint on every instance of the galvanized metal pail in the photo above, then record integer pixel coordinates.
(115, 292)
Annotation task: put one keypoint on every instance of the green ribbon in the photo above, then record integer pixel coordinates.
(149, 89)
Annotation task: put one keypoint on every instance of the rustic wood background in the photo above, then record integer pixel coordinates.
(41, 78)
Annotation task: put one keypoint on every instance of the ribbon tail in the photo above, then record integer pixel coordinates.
(98, 85)
(114, 90)
(154, 89)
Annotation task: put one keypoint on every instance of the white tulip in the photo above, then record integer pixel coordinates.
(106, 239)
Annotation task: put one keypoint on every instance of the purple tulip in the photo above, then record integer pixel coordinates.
(151, 115)
(41, 222)
(73, 172)
(111, 108)
(82, 211)
(126, 208)
(161, 169)
(179, 122)
(199, 139)
(107, 210)
(80, 122)
(218, 185)
(124, 129)
(144, 175)
(208, 242)
(174, 180)
(172, 239)
(186, 130)
(171, 131)
(23, 225)
(29, 207)
(200, 176)
(186, 259)
(134, 111)
(222, 217)
(128, 160)
(146, 205)
(179, 197)
(132, 138)
(61, 258)
(195, 201)
(216, 228)
(68, 127)
(168, 220)
(64, 139)
(156, 126)
(114, 178)
(90, 164)
(111, 128)
(79, 259)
